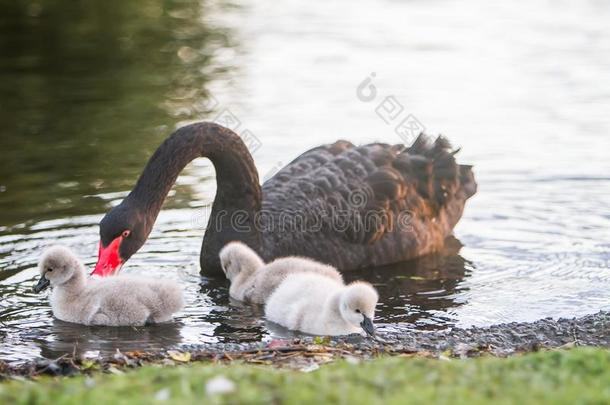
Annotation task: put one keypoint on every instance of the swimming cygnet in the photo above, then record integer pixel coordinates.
(112, 301)
(254, 281)
(319, 305)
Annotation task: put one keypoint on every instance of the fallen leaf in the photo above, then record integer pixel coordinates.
(309, 368)
(321, 340)
(275, 343)
(183, 357)
(89, 365)
(114, 370)
(569, 345)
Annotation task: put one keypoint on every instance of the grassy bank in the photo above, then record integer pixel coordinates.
(576, 376)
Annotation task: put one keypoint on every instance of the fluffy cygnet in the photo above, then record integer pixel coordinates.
(254, 281)
(319, 305)
(112, 301)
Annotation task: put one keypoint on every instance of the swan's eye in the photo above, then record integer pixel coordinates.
(126, 233)
(49, 269)
(358, 311)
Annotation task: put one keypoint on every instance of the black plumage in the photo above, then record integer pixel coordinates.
(349, 206)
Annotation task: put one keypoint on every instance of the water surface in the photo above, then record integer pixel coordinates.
(87, 92)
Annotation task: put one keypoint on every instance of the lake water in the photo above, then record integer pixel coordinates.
(87, 92)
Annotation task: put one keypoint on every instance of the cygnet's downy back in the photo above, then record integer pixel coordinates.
(269, 277)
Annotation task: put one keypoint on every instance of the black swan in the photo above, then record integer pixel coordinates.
(345, 205)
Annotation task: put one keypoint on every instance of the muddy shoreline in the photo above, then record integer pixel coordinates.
(308, 353)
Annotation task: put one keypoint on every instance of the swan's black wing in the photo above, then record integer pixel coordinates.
(368, 205)
(308, 162)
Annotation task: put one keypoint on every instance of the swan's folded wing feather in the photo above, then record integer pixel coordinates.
(363, 193)
(307, 162)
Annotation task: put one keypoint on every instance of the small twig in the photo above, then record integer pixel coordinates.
(576, 341)
(54, 361)
(274, 349)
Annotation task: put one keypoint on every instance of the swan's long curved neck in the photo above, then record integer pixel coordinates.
(238, 190)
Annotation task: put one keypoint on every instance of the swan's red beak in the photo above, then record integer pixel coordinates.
(108, 260)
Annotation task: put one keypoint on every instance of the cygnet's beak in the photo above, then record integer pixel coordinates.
(367, 325)
(42, 284)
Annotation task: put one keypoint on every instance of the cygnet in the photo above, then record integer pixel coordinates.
(319, 305)
(112, 301)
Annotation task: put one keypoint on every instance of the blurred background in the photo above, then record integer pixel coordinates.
(89, 89)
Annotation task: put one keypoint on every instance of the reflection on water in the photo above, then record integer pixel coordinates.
(63, 337)
(88, 91)
(420, 292)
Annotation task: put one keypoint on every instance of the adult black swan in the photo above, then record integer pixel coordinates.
(349, 206)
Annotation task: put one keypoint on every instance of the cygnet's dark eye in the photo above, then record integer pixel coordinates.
(49, 269)
(358, 311)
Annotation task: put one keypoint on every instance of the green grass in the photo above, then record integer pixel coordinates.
(576, 376)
